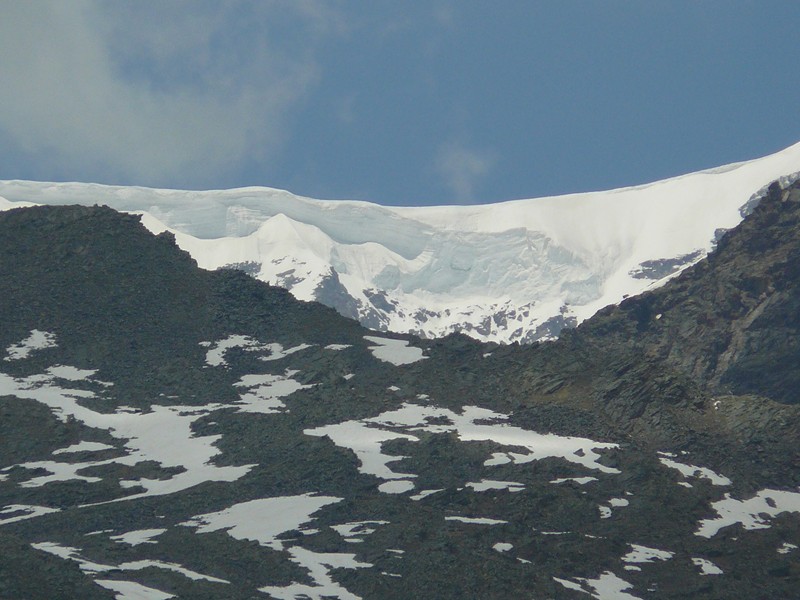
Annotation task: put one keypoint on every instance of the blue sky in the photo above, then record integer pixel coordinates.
(433, 102)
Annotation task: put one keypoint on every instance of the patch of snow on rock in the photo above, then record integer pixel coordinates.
(693, 471)
(19, 512)
(643, 554)
(707, 567)
(37, 340)
(262, 520)
(606, 587)
(319, 566)
(752, 513)
(139, 536)
(396, 352)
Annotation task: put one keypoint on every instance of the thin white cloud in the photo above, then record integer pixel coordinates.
(157, 93)
(462, 168)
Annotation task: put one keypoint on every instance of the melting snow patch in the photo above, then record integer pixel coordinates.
(215, 357)
(424, 494)
(352, 531)
(643, 554)
(707, 567)
(277, 352)
(87, 566)
(366, 437)
(164, 435)
(578, 480)
(20, 512)
(318, 566)
(37, 340)
(751, 513)
(605, 511)
(476, 520)
(84, 447)
(502, 547)
(139, 565)
(140, 536)
(397, 352)
(786, 548)
(606, 587)
(498, 458)
(262, 520)
(490, 484)
(130, 590)
(337, 346)
(70, 373)
(265, 391)
(693, 471)
(397, 486)
(365, 442)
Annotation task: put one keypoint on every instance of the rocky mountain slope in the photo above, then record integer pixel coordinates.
(505, 272)
(167, 431)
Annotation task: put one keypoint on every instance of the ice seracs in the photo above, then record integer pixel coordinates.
(512, 271)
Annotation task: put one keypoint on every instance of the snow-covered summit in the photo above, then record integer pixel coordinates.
(511, 271)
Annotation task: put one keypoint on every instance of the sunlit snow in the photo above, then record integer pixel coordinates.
(752, 513)
(706, 567)
(262, 520)
(318, 566)
(643, 554)
(163, 434)
(475, 520)
(130, 590)
(20, 512)
(397, 352)
(693, 471)
(530, 260)
(366, 437)
(606, 587)
(138, 536)
(37, 340)
(491, 484)
(84, 447)
(265, 391)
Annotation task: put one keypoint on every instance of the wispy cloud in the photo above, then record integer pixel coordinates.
(175, 93)
(462, 168)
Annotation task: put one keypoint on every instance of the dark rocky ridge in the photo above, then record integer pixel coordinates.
(715, 375)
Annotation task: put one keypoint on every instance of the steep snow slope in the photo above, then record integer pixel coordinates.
(511, 271)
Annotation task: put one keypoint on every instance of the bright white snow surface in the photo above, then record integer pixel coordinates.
(693, 471)
(318, 566)
(476, 520)
(88, 566)
(130, 590)
(265, 519)
(397, 352)
(20, 512)
(366, 437)
(606, 587)
(752, 513)
(139, 536)
(707, 567)
(533, 260)
(262, 520)
(37, 340)
(163, 434)
(643, 554)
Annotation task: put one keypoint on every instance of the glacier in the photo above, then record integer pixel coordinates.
(514, 271)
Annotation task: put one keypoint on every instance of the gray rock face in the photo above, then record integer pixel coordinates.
(167, 430)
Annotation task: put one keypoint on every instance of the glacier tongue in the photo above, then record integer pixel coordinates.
(512, 271)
